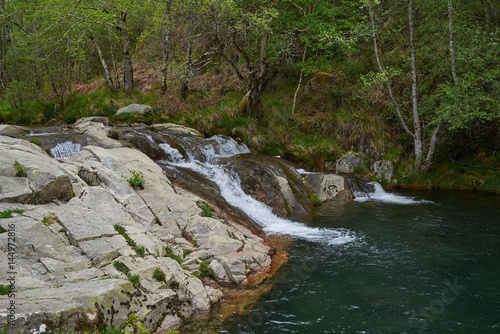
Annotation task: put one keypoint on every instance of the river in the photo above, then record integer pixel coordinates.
(421, 262)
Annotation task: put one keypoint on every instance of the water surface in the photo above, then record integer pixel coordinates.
(425, 263)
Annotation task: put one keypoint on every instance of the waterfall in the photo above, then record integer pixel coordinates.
(379, 194)
(64, 150)
(201, 158)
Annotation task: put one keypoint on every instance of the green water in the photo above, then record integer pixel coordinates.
(419, 268)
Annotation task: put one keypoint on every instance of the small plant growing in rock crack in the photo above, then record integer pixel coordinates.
(313, 197)
(195, 244)
(137, 178)
(8, 213)
(171, 254)
(159, 275)
(20, 169)
(187, 252)
(135, 280)
(36, 142)
(134, 322)
(204, 271)
(120, 266)
(140, 250)
(207, 210)
(49, 220)
(4, 289)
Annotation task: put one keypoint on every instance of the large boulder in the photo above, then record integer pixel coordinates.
(383, 169)
(328, 186)
(348, 163)
(176, 128)
(12, 130)
(134, 108)
(272, 181)
(37, 178)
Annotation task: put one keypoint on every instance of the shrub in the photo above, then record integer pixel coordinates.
(204, 271)
(4, 289)
(207, 210)
(137, 178)
(313, 197)
(171, 254)
(159, 275)
(20, 169)
(120, 266)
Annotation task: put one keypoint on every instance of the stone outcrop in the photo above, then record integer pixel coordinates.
(75, 269)
(329, 187)
(134, 108)
(348, 163)
(383, 169)
(272, 181)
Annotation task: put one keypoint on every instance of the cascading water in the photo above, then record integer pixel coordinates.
(201, 158)
(379, 194)
(65, 150)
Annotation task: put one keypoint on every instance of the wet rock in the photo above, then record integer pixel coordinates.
(12, 130)
(328, 186)
(271, 181)
(177, 128)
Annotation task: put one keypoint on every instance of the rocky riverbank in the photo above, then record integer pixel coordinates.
(87, 248)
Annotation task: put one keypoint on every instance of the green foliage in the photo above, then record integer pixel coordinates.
(207, 210)
(4, 289)
(170, 253)
(120, 266)
(204, 271)
(140, 251)
(135, 280)
(120, 229)
(20, 169)
(36, 142)
(313, 197)
(159, 275)
(134, 322)
(187, 252)
(137, 178)
(8, 213)
(360, 170)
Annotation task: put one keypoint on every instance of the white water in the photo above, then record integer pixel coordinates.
(229, 184)
(65, 150)
(382, 196)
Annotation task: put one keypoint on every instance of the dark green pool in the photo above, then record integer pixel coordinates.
(425, 267)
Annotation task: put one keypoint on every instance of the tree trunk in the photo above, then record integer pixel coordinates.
(113, 61)
(300, 79)
(188, 70)
(452, 44)
(416, 117)
(107, 75)
(128, 70)
(381, 69)
(164, 68)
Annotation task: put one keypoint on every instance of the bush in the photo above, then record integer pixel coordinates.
(159, 275)
(137, 178)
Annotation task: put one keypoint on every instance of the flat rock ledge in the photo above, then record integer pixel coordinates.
(75, 271)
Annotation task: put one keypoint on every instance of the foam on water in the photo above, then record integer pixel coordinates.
(229, 184)
(65, 150)
(382, 196)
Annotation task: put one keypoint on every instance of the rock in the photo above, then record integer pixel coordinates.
(348, 163)
(271, 181)
(12, 130)
(44, 181)
(328, 186)
(98, 132)
(134, 113)
(383, 169)
(177, 128)
(94, 119)
(319, 83)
